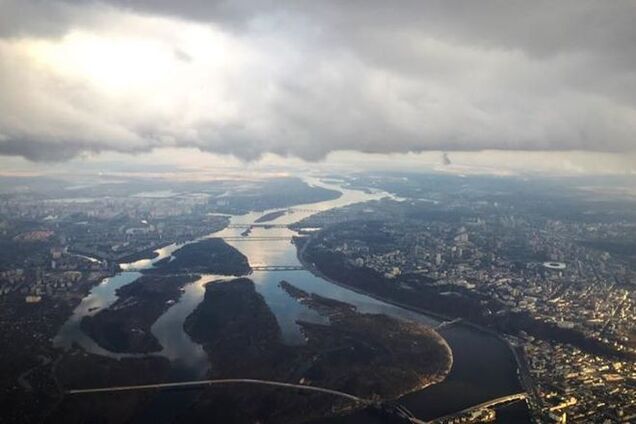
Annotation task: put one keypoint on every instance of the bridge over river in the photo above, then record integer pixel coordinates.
(447, 324)
(257, 238)
(241, 226)
(390, 408)
(277, 268)
(484, 405)
(199, 383)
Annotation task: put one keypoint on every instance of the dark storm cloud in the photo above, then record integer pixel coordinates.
(304, 78)
(541, 27)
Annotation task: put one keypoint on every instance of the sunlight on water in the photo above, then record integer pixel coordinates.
(168, 329)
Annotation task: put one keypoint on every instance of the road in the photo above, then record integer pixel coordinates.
(23, 379)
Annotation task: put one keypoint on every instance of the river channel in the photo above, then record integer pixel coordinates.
(483, 366)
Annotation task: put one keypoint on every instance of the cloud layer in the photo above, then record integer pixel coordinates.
(304, 79)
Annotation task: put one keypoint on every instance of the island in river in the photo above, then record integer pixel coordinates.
(270, 216)
(125, 325)
(208, 256)
(271, 193)
(367, 355)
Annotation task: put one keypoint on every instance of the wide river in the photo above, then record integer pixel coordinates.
(483, 366)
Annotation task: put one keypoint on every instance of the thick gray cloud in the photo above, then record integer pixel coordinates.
(306, 78)
(540, 28)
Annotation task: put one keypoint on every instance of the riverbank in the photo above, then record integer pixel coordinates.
(408, 342)
(124, 327)
(149, 253)
(207, 256)
(270, 216)
(358, 353)
(455, 336)
(310, 266)
(28, 359)
(474, 355)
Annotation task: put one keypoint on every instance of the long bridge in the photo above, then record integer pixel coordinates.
(313, 223)
(241, 226)
(257, 238)
(199, 383)
(484, 405)
(305, 210)
(390, 408)
(278, 268)
(447, 324)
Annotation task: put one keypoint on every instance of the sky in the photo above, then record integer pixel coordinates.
(499, 85)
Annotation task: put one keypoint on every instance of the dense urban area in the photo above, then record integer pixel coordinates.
(553, 271)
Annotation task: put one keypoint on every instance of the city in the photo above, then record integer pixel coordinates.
(539, 280)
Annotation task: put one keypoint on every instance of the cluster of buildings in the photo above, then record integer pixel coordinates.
(47, 247)
(484, 415)
(517, 265)
(578, 386)
(523, 267)
(59, 277)
(119, 239)
(30, 206)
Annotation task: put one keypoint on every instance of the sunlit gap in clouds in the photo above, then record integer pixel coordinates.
(298, 82)
(164, 66)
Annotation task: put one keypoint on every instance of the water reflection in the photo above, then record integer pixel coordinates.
(168, 329)
(100, 297)
(483, 368)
